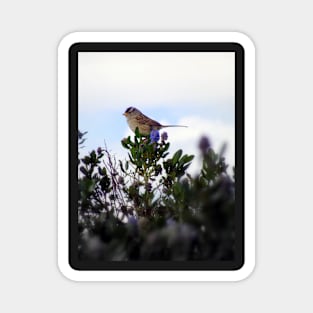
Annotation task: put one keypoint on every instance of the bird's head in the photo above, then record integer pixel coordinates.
(131, 111)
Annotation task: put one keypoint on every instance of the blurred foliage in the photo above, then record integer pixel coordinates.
(149, 208)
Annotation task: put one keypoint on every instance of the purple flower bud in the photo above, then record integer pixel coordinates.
(204, 144)
(164, 136)
(154, 135)
(170, 222)
(99, 150)
(132, 221)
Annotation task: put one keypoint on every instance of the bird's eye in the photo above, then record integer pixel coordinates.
(130, 109)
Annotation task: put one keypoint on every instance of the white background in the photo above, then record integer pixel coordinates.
(30, 32)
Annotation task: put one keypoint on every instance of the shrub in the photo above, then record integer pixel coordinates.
(149, 207)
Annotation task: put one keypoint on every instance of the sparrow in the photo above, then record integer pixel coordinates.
(144, 123)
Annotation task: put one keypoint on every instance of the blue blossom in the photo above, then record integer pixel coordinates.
(154, 135)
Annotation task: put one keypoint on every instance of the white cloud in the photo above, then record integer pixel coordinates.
(187, 139)
(155, 79)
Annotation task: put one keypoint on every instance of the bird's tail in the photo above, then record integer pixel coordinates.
(174, 126)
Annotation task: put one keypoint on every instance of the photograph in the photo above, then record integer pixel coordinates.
(156, 157)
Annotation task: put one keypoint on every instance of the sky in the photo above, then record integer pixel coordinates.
(196, 89)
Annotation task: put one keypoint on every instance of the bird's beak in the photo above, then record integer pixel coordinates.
(124, 114)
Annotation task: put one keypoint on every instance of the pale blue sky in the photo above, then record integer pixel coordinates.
(194, 89)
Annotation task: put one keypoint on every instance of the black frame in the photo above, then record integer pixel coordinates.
(77, 264)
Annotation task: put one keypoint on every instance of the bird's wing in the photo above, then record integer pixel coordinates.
(143, 119)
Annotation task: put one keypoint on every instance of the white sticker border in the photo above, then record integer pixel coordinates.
(63, 144)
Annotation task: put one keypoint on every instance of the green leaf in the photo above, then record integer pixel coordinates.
(124, 144)
(189, 158)
(185, 159)
(137, 134)
(102, 171)
(90, 185)
(83, 170)
(176, 156)
(121, 166)
(86, 160)
(186, 166)
(133, 152)
(105, 183)
(130, 158)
